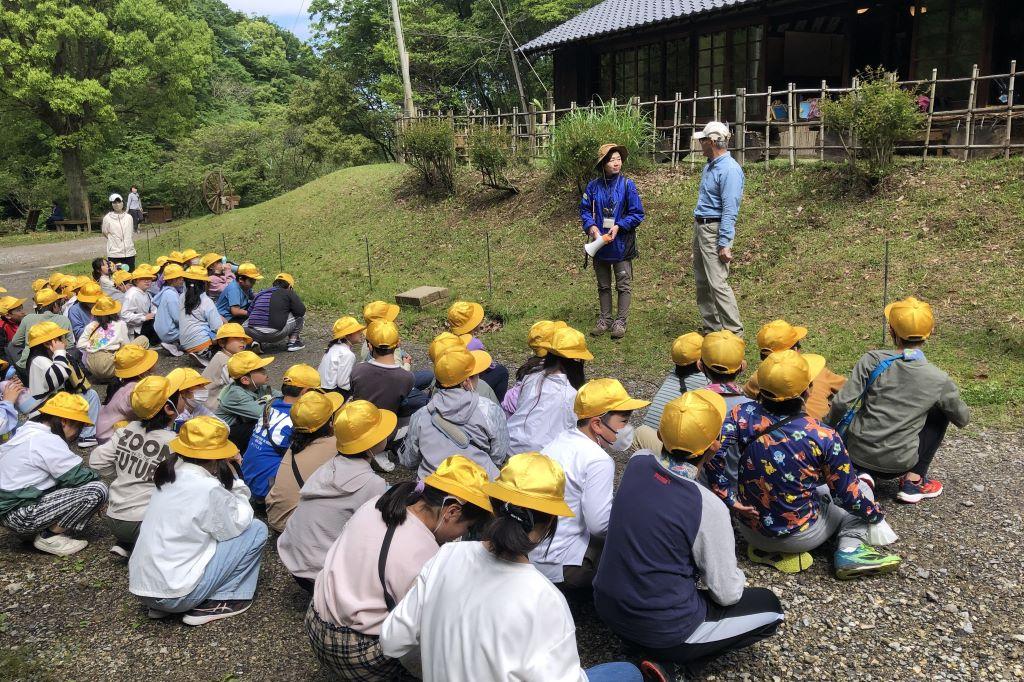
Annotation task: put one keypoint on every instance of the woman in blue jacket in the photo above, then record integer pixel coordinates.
(611, 210)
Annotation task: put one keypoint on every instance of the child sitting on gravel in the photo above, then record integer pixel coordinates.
(464, 318)
(686, 376)
(243, 400)
(539, 341)
(229, 340)
(336, 365)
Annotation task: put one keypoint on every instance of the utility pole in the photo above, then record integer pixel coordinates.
(403, 59)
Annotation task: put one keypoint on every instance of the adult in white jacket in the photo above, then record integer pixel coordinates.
(453, 618)
(199, 547)
(119, 229)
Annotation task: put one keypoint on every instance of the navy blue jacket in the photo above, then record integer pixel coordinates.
(619, 193)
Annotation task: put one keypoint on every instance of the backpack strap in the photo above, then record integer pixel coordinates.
(857, 404)
(454, 432)
(296, 472)
(382, 562)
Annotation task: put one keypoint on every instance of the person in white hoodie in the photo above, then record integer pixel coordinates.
(119, 229)
(199, 547)
(138, 310)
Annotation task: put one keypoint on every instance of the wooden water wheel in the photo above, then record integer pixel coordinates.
(218, 195)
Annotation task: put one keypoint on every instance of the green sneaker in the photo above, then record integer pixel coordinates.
(787, 563)
(863, 561)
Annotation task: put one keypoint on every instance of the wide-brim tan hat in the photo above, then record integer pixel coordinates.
(607, 150)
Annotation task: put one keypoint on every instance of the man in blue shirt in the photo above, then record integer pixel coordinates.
(714, 228)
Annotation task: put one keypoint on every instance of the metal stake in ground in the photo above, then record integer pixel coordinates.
(280, 254)
(490, 274)
(224, 243)
(149, 251)
(369, 270)
(179, 238)
(885, 291)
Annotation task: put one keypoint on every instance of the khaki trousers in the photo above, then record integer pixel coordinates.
(715, 298)
(646, 438)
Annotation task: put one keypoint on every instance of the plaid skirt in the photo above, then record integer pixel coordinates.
(351, 655)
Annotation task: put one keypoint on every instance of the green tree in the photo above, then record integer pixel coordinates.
(87, 70)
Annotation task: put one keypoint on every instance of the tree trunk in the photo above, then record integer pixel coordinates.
(74, 176)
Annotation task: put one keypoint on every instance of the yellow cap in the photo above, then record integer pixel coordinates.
(359, 426)
(160, 260)
(382, 334)
(314, 409)
(150, 395)
(722, 352)
(380, 310)
(38, 284)
(533, 481)
(779, 335)
(68, 406)
(686, 349)
(344, 326)
(599, 396)
(188, 254)
(302, 376)
(285, 277)
(145, 271)
(911, 319)
(442, 343)
(42, 332)
(132, 360)
(570, 343)
(458, 364)
(9, 303)
(541, 334)
(463, 478)
(185, 378)
(53, 281)
(233, 330)
(46, 297)
(68, 285)
(173, 271)
(106, 306)
(176, 257)
(249, 270)
(465, 316)
(121, 276)
(198, 273)
(204, 438)
(245, 362)
(787, 374)
(692, 422)
(209, 259)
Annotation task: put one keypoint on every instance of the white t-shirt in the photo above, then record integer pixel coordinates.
(589, 489)
(544, 410)
(336, 367)
(34, 457)
(476, 617)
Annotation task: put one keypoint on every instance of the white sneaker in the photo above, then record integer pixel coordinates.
(86, 443)
(172, 349)
(61, 544)
(200, 359)
(385, 464)
(120, 551)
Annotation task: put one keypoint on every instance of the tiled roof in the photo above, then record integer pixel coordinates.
(612, 16)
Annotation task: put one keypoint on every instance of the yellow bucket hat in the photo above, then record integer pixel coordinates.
(122, 276)
(245, 362)
(314, 409)
(38, 284)
(106, 306)
(9, 303)
(144, 271)
(465, 316)
(787, 373)
(458, 364)
(209, 259)
(173, 271)
(911, 319)
(442, 343)
(233, 330)
(302, 376)
(42, 332)
(570, 343)
(600, 396)
(344, 326)
(686, 349)
(540, 335)
(692, 422)
(463, 478)
(161, 260)
(53, 281)
(68, 406)
(285, 277)
(249, 270)
(185, 378)
(198, 273)
(533, 481)
(382, 334)
(722, 352)
(132, 360)
(779, 335)
(359, 426)
(380, 310)
(204, 438)
(150, 395)
(46, 297)
(68, 285)
(188, 254)
(176, 257)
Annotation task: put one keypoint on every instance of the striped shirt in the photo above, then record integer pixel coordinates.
(668, 392)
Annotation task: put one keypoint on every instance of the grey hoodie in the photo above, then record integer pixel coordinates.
(480, 421)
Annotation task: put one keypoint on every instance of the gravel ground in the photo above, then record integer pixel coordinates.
(952, 612)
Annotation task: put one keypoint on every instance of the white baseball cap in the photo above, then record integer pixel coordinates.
(115, 197)
(714, 130)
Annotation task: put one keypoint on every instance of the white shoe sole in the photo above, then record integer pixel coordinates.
(118, 550)
(75, 548)
(914, 499)
(202, 620)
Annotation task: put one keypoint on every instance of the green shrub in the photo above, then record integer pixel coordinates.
(871, 120)
(429, 147)
(490, 152)
(579, 134)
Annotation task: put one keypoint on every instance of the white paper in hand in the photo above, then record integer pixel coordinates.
(881, 534)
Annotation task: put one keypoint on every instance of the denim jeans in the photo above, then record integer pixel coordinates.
(93, 398)
(231, 574)
(614, 672)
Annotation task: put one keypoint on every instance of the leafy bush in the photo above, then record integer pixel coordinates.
(877, 115)
(429, 146)
(490, 152)
(579, 134)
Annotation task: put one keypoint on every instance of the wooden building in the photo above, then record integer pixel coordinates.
(627, 48)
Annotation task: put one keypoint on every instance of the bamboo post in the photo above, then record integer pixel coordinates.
(741, 125)
(931, 113)
(1009, 109)
(515, 130)
(768, 129)
(716, 106)
(821, 123)
(531, 129)
(971, 99)
(675, 128)
(693, 129)
(791, 103)
(654, 130)
(885, 291)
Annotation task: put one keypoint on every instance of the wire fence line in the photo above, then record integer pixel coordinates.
(771, 124)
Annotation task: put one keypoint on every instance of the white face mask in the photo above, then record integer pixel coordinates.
(623, 438)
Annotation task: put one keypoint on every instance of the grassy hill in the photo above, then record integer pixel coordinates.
(808, 248)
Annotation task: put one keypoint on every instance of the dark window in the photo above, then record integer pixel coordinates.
(678, 68)
(728, 60)
(949, 38)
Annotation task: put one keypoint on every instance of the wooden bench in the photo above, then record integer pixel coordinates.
(77, 224)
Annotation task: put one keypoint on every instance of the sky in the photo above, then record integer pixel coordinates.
(285, 13)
